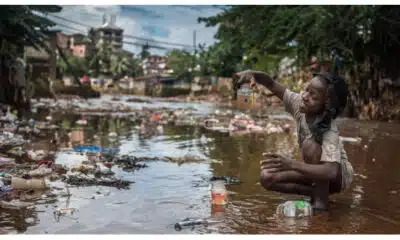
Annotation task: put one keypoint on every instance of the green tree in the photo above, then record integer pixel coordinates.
(100, 61)
(77, 66)
(123, 64)
(366, 37)
(180, 61)
(21, 26)
(24, 26)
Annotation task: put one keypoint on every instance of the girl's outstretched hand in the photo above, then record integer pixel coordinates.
(276, 163)
(243, 77)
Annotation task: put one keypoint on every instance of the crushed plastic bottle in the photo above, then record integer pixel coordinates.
(294, 209)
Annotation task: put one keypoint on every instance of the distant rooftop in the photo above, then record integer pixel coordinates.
(109, 23)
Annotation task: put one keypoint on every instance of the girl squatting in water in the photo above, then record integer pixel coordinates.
(325, 168)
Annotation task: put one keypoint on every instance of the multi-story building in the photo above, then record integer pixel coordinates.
(108, 33)
(155, 65)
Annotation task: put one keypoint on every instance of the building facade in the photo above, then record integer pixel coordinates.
(155, 65)
(80, 45)
(108, 33)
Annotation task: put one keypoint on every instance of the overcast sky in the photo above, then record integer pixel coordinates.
(168, 23)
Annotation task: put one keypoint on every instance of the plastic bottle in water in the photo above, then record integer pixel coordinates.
(191, 222)
(219, 194)
(294, 209)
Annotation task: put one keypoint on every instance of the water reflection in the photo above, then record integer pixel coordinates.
(77, 136)
(18, 220)
(173, 192)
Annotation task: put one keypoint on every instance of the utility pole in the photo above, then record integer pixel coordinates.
(194, 56)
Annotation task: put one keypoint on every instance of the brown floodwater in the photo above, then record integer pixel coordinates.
(166, 193)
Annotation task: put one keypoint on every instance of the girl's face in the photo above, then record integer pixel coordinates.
(313, 97)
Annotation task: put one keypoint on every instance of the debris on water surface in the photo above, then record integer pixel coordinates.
(28, 184)
(299, 208)
(59, 212)
(5, 161)
(191, 222)
(138, 100)
(228, 180)
(360, 175)
(91, 180)
(78, 163)
(351, 139)
(15, 204)
(40, 172)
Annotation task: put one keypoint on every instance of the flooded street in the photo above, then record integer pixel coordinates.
(165, 193)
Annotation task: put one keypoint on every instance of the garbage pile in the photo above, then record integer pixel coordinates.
(72, 168)
(81, 105)
(152, 119)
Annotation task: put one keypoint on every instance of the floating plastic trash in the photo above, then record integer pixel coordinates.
(4, 189)
(23, 184)
(7, 161)
(63, 212)
(219, 194)
(228, 180)
(110, 150)
(298, 208)
(91, 148)
(87, 148)
(191, 222)
(15, 204)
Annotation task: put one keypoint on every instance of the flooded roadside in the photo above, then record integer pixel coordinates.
(167, 192)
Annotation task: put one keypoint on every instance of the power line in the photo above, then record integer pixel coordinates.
(125, 42)
(128, 36)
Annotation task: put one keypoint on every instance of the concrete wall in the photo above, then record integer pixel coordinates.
(223, 81)
(68, 81)
(139, 88)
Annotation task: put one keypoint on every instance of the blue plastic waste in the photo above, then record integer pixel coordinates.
(91, 148)
(88, 148)
(4, 189)
(110, 150)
